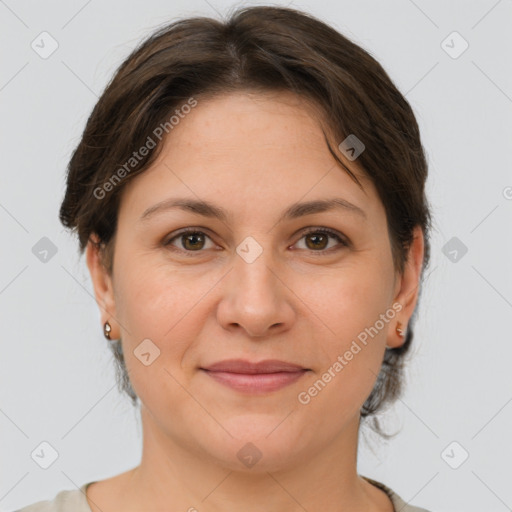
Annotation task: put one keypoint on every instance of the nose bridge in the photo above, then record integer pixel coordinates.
(255, 300)
(254, 270)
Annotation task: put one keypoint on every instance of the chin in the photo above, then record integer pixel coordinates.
(259, 444)
(258, 457)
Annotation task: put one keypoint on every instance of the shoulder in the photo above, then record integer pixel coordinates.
(398, 503)
(64, 501)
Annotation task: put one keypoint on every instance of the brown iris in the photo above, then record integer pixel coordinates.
(317, 237)
(193, 238)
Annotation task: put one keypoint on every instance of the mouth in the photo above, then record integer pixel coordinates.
(254, 377)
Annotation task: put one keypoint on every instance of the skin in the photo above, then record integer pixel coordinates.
(301, 302)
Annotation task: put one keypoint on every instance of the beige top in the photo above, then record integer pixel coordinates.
(76, 501)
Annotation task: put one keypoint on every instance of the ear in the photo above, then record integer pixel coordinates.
(407, 288)
(102, 283)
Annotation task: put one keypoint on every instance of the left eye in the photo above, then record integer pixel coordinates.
(320, 239)
(317, 240)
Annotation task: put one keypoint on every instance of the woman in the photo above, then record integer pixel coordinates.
(250, 198)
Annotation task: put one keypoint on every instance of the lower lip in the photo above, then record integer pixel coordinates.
(256, 383)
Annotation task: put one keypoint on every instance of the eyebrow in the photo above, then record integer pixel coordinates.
(296, 210)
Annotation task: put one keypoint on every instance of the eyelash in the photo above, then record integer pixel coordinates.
(315, 230)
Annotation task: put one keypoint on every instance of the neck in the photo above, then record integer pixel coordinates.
(183, 478)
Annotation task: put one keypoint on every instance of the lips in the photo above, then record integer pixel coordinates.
(254, 377)
(251, 368)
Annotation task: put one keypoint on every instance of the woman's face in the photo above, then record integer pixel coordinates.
(252, 284)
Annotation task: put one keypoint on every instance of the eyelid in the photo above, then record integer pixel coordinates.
(321, 229)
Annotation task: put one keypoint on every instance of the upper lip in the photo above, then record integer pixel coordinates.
(248, 367)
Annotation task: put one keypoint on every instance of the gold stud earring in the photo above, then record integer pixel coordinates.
(107, 329)
(399, 330)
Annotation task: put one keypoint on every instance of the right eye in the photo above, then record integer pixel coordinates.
(190, 240)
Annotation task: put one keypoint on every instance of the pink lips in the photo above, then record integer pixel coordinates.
(261, 377)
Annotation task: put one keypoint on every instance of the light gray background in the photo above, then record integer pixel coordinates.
(56, 372)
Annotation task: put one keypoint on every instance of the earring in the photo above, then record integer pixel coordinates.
(107, 329)
(399, 330)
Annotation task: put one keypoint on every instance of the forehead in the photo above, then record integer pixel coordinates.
(243, 120)
(252, 145)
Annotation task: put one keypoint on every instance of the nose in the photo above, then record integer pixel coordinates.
(255, 298)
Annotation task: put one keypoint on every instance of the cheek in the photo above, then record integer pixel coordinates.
(161, 313)
(154, 300)
(352, 353)
(353, 300)
(159, 317)
(356, 309)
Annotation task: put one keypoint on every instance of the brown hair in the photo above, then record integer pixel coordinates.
(256, 49)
